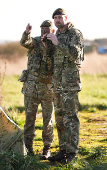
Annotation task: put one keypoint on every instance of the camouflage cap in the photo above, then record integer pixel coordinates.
(46, 23)
(59, 11)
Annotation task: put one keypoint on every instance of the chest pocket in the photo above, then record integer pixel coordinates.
(63, 38)
(70, 79)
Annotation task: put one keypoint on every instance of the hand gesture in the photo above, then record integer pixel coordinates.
(28, 29)
(53, 38)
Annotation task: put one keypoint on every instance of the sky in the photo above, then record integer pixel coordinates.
(89, 16)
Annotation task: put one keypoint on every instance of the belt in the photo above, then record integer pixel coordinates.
(44, 80)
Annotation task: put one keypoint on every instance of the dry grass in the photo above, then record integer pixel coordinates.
(94, 63)
(14, 67)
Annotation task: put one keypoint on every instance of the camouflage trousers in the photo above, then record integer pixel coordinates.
(67, 121)
(45, 98)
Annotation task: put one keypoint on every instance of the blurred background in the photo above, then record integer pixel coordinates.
(90, 18)
(87, 16)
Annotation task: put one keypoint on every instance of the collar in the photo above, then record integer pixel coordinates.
(68, 27)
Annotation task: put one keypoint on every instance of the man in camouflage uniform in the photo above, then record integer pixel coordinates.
(37, 87)
(66, 79)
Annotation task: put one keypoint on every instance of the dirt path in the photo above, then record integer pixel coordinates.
(93, 63)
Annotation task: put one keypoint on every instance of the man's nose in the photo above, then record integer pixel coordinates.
(44, 31)
(57, 19)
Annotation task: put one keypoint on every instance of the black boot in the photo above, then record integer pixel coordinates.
(58, 157)
(30, 151)
(45, 153)
(28, 144)
(68, 158)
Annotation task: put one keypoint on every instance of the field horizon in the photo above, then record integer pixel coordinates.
(93, 63)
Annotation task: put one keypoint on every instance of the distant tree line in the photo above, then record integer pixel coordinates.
(12, 50)
(90, 46)
(101, 42)
(15, 50)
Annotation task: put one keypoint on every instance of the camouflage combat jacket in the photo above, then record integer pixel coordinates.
(67, 59)
(40, 60)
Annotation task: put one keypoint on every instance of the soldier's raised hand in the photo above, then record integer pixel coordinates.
(28, 29)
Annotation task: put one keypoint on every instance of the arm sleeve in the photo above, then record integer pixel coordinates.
(74, 47)
(26, 41)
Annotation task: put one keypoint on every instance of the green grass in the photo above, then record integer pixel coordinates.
(93, 96)
(12, 92)
(93, 127)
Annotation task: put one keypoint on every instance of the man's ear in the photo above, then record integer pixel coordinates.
(53, 31)
(66, 18)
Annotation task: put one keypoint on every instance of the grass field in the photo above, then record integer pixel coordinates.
(93, 127)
